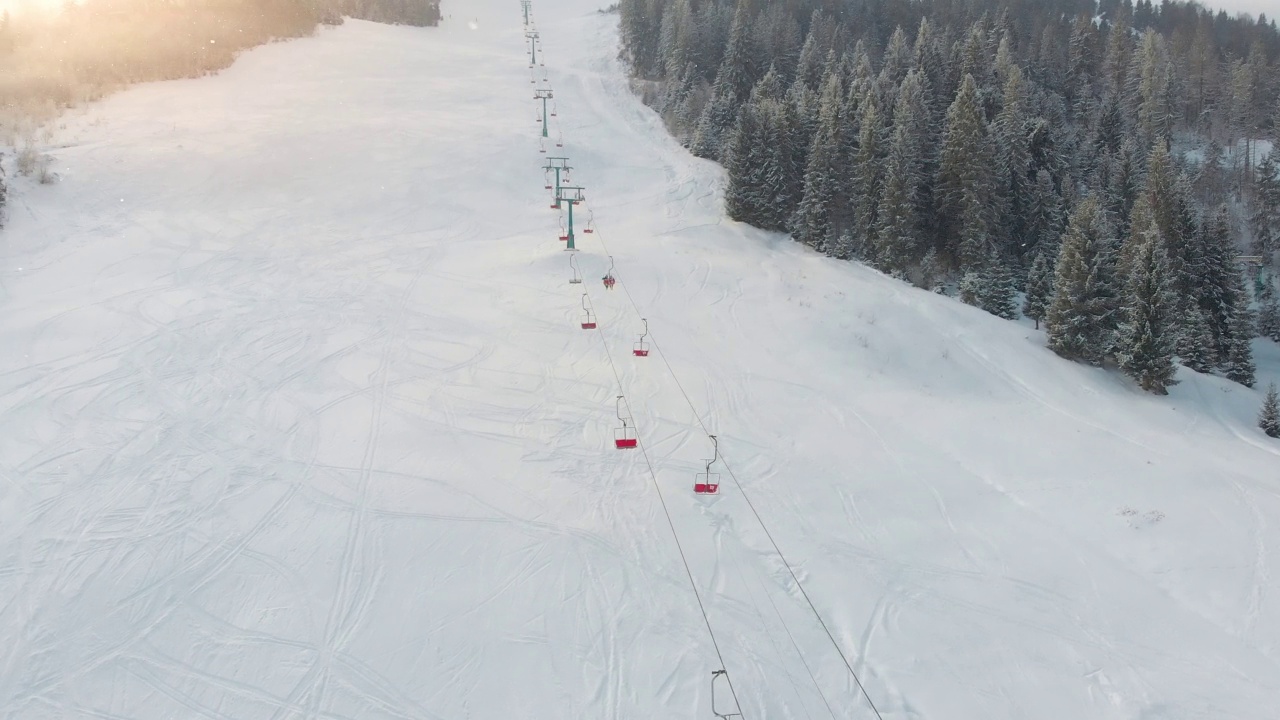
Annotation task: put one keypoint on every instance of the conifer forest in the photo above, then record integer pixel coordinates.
(1109, 170)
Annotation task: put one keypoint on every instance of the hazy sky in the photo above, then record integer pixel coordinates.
(1253, 7)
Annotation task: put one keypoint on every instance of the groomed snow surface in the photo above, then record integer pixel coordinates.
(297, 421)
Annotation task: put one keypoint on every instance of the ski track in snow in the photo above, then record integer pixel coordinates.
(298, 422)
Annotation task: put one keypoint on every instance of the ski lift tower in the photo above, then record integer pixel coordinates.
(544, 96)
(571, 194)
(558, 165)
(532, 35)
(525, 6)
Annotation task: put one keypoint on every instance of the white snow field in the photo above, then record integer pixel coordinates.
(297, 421)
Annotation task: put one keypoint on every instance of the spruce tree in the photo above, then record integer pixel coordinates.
(1146, 339)
(865, 186)
(1268, 309)
(932, 273)
(996, 289)
(1039, 288)
(1081, 318)
(1013, 188)
(1195, 342)
(811, 224)
(964, 184)
(898, 231)
(734, 81)
(1269, 416)
(1218, 288)
(747, 165)
(1239, 366)
(1264, 220)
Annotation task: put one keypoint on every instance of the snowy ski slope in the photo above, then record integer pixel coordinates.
(297, 421)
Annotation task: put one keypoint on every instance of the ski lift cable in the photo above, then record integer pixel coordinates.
(588, 304)
(773, 642)
(782, 556)
(764, 588)
(653, 477)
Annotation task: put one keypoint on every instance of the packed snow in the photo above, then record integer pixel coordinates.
(297, 421)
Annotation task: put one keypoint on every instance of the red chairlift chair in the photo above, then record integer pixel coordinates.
(707, 482)
(588, 317)
(591, 222)
(608, 279)
(641, 348)
(625, 436)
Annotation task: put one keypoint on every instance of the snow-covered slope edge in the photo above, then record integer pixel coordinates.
(297, 422)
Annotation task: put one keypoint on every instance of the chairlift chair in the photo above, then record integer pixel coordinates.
(641, 348)
(608, 279)
(576, 278)
(588, 317)
(591, 222)
(715, 707)
(560, 142)
(707, 482)
(625, 436)
(564, 234)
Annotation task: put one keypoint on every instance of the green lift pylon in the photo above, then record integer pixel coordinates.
(544, 96)
(526, 5)
(532, 35)
(559, 165)
(573, 197)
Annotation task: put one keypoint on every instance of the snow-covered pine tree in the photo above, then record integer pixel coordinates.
(781, 176)
(969, 289)
(1147, 336)
(865, 186)
(893, 69)
(1269, 416)
(898, 231)
(1045, 217)
(811, 224)
(813, 54)
(1012, 188)
(718, 118)
(675, 38)
(747, 162)
(964, 179)
(996, 288)
(1240, 366)
(1219, 290)
(1268, 309)
(734, 81)
(1081, 319)
(1195, 342)
(1150, 97)
(763, 182)
(1039, 288)
(1264, 220)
